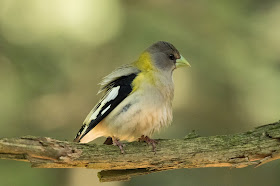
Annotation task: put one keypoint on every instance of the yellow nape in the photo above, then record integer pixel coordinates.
(144, 62)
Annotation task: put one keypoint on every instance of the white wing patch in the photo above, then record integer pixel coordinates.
(84, 130)
(105, 110)
(110, 96)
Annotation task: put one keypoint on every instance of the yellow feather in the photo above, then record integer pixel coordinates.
(144, 64)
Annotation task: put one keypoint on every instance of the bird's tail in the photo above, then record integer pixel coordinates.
(79, 134)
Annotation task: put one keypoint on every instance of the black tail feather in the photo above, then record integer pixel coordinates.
(79, 134)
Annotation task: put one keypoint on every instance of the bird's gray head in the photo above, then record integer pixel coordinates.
(165, 56)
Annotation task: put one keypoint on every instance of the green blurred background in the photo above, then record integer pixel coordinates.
(54, 53)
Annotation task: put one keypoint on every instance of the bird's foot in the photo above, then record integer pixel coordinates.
(149, 141)
(117, 143)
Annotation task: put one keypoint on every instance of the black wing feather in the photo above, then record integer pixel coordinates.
(125, 89)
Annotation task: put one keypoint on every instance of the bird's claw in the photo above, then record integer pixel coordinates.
(149, 141)
(119, 144)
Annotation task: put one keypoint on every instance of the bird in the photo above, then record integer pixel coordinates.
(137, 99)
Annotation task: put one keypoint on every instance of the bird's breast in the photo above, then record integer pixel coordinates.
(141, 113)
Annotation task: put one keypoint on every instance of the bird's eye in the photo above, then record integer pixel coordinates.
(172, 57)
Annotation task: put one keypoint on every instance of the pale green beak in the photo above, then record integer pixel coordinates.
(182, 62)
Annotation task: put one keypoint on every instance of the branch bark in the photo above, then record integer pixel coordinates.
(254, 147)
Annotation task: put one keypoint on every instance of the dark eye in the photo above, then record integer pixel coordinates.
(171, 56)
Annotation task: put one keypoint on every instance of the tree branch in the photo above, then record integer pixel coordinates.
(255, 147)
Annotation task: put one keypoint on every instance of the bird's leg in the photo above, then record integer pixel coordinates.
(108, 141)
(149, 141)
(119, 144)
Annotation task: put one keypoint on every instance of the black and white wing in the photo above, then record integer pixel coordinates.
(117, 88)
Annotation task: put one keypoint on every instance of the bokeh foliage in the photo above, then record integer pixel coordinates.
(53, 54)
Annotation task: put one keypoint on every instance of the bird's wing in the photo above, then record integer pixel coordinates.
(117, 86)
(122, 71)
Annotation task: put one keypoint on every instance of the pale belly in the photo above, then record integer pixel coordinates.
(136, 117)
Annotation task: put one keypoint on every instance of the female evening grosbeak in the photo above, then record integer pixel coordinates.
(137, 100)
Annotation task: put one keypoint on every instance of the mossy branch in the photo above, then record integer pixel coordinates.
(255, 147)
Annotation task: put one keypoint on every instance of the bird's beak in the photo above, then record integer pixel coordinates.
(182, 62)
